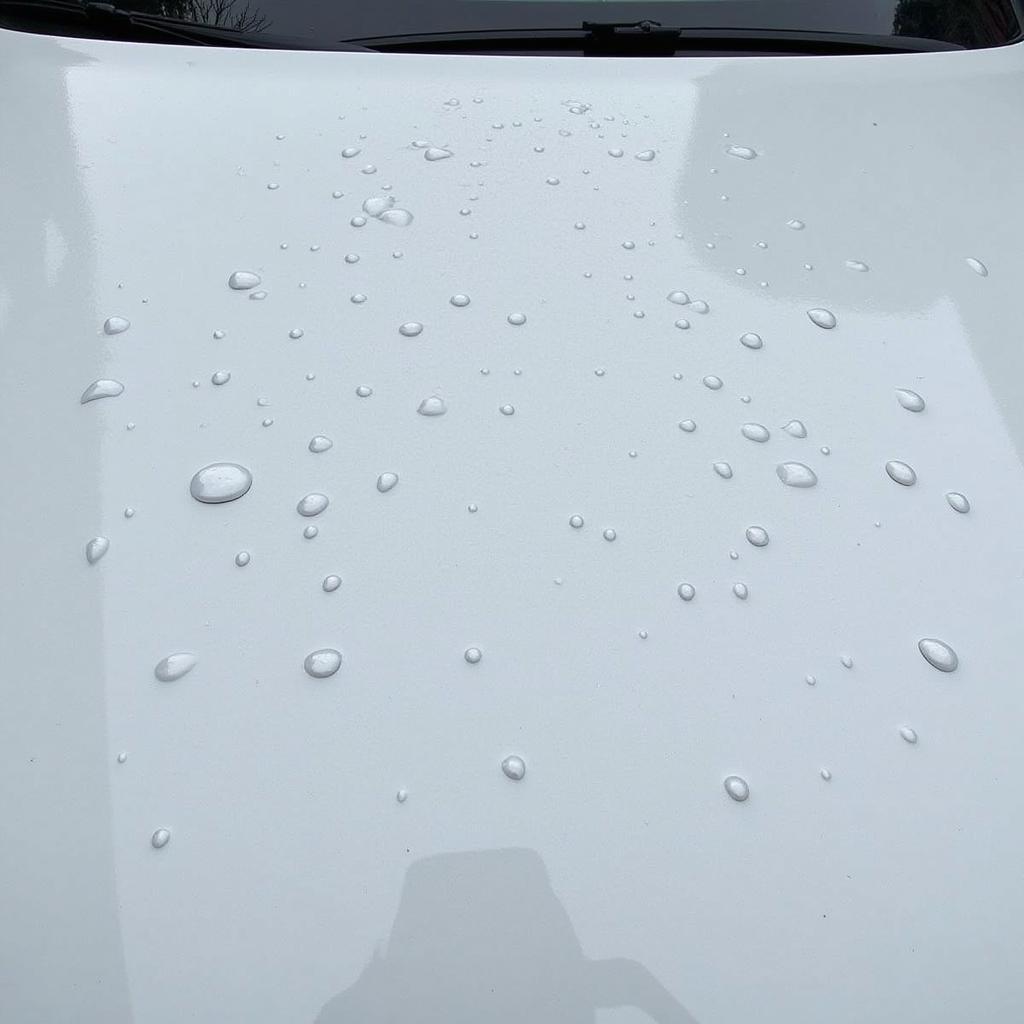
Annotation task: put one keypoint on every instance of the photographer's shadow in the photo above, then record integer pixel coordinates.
(481, 936)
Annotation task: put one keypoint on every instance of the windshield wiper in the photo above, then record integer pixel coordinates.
(108, 21)
(650, 38)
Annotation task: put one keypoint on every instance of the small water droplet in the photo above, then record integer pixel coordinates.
(795, 428)
(473, 507)
(220, 482)
(220, 377)
(743, 152)
(322, 663)
(160, 838)
(712, 382)
(757, 535)
(826, 774)
(822, 317)
(258, 296)
(516, 319)
(514, 768)
(910, 735)
(699, 306)
(629, 245)
(723, 469)
(312, 504)
(686, 591)
(741, 591)
(410, 329)
(432, 406)
(243, 280)
(609, 534)
(242, 559)
(755, 432)
(796, 225)
(459, 300)
(680, 298)
(402, 795)
(398, 218)
(174, 666)
(507, 410)
(310, 532)
(473, 655)
(376, 205)
(977, 266)
(616, 153)
(646, 155)
(218, 335)
(350, 151)
(358, 221)
(295, 333)
(103, 388)
(687, 425)
(331, 584)
(363, 391)
(736, 787)
(958, 502)
(129, 512)
(910, 400)
(96, 549)
(683, 324)
(796, 474)
(351, 257)
(751, 340)
(846, 661)
(320, 443)
(368, 169)
(576, 521)
(434, 153)
(901, 473)
(116, 325)
(856, 265)
(938, 654)
(122, 757)
(386, 482)
(810, 680)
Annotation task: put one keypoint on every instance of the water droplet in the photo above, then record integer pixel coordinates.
(741, 591)
(901, 473)
(977, 266)
(615, 153)
(723, 469)
(102, 388)
(358, 221)
(712, 382)
(160, 838)
(507, 410)
(376, 205)
(699, 306)
(796, 474)
(743, 152)
(220, 377)
(243, 280)
(242, 559)
(823, 318)
(174, 666)
(680, 298)
(310, 532)
(846, 661)
(686, 591)
(312, 504)
(750, 340)
(96, 549)
(432, 406)
(856, 265)
(910, 735)
(683, 324)
(795, 428)
(609, 534)
(514, 768)
(350, 151)
(433, 153)
(755, 432)
(322, 663)
(129, 512)
(796, 225)
(473, 655)
(116, 325)
(826, 774)
(646, 155)
(459, 300)
(688, 425)
(402, 795)
(331, 584)
(958, 502)
(410, 329)
(319, 444)
(910, 400)
(576, 522)
(938, 654)
(122, 757)
(368, 169)
(398, 218)
(629, 245)
(758, 536)
(218, 335)
(295, 333)
(736, 787)
(351, 257)
(220, 482)
(810, 680)
(516, 319)
(386, 482)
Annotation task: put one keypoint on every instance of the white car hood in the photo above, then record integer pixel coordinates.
(867, 877)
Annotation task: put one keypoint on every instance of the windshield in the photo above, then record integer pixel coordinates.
(956, 23)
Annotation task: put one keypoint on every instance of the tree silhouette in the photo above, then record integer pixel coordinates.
(230, 14)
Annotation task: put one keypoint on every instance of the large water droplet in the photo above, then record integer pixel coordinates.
(220, 482)
(741, 591)
(686, 591)
(736, 787)
(938, 654)
(795, 428)
(743, 152)
(910, 400)
(857, 265)
(410, 329)
(242, 559)
(901, 473)
(116, 325)
(331, 584)
(514, 768)
(823, 318)
(312, 504)
(320, 443)
(680, 298)
(433, 153)
(432, 406)
(689, 426)
(96, 549)
(376, 205)
(350, 151)
(397, 217)
(160, 838)
(723, 469)
(958, 502)
(796, 474)
(473, 655)
(243, 280)
(322, 663)
(459, 300)
(174, 666)
(386, 481)
(751, 340)
(102, 388)
(758, 536)
(220, 377)
(977, 266)
(755, 432)
(712, 382)
(646, 155)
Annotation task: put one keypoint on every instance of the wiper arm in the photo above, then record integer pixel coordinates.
(109, 21)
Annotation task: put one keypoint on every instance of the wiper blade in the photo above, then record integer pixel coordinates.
(108, 21)
(649, 38)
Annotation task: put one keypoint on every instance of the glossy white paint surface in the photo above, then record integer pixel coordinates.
(349, 848)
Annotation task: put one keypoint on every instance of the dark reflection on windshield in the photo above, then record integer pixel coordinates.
(481, 936)
(233, 14)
